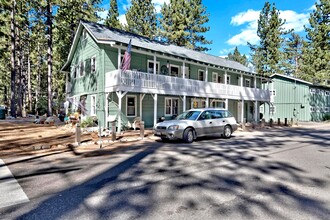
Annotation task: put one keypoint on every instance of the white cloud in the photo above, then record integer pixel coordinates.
(122, 19)
(250, 18)
(224, 52)
(103, 14)
(245, 17)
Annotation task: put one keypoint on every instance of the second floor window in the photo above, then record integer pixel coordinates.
(151, 66)
(82, 69)
(93, 64)
(174, 70)
(201, 75)
(247, 83)
(216, 77)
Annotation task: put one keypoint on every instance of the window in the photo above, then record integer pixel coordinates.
(74, 72)
(201, 75)
(247, 82)
(151, 66)
(82, 69)
(272, 109)
(93, 64)
(228, 80)
(171, 106)
(174, 70)
(261, 109)
(216, 77)
(93, 105)
(218, 104)
(131, 106)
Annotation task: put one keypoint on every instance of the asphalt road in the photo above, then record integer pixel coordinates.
(281, 173)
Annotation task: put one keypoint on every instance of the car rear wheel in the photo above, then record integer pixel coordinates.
(227, 131)
(164, 139)
(188, 135)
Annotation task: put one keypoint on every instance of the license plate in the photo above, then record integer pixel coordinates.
(158, 133)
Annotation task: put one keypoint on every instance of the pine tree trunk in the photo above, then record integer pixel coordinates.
(29, 80)
(19, 69)
(49, 53)
(13, 71)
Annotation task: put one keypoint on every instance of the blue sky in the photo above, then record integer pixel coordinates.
(234, 22)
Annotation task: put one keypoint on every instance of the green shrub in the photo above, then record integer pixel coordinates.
(89, 122)
(326, 117)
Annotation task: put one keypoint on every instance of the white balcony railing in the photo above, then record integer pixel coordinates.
(134, 81)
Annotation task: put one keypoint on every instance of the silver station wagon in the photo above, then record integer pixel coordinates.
(197, 123)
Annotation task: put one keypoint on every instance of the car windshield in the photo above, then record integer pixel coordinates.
(189, 115)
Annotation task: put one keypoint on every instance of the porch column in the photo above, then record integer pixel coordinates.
(119, 58)
(155, 108)
(141, 99)
(206, 74)
(225, 77)
(255, 81)
(120, 95)
(242, 111)
(207, 104)
(256, 111)
(106, 108)
(226, 103)
(155, 64)
(241, 80)
(184, 103)
(184, 70)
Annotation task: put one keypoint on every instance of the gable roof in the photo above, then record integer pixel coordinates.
(104, 34)
(276, 75)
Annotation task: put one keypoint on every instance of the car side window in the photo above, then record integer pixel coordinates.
(205, 115)
(217, 114)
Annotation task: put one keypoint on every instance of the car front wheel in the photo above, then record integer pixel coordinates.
(227, 131)
(188, 135)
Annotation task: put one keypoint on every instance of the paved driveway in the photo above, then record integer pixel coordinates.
(281, 173)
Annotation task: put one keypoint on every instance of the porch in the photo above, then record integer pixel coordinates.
(142, 82)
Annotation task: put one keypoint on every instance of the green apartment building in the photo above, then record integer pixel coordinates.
(297, 99)
(163, 81)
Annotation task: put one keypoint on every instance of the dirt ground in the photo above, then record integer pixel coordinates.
(23, 137)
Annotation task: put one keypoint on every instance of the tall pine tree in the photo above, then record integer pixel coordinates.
(183, 23)
(293, 52)
(316, 53)
(141, 18)
(267, 56)
(238, 57)
(113, 14)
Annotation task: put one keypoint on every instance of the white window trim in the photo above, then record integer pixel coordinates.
(200, 70)
(228, 79)
(176, 66)
(218, 101)
(93, 108)
(171, 98)
(262, 109)
(157, 69)
(135, 107)
(272, 92)
(93, 57)
(217, 77)
(245, 82)
(274, 110)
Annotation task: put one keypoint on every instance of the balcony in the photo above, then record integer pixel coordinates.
(141, 82)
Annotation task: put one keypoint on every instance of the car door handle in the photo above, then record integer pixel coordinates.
(210, 122)
(223, 121)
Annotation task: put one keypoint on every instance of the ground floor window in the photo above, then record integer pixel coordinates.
(131, 105)
(218, 104)
(171, 106)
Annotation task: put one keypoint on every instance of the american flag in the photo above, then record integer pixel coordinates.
(126, 63)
